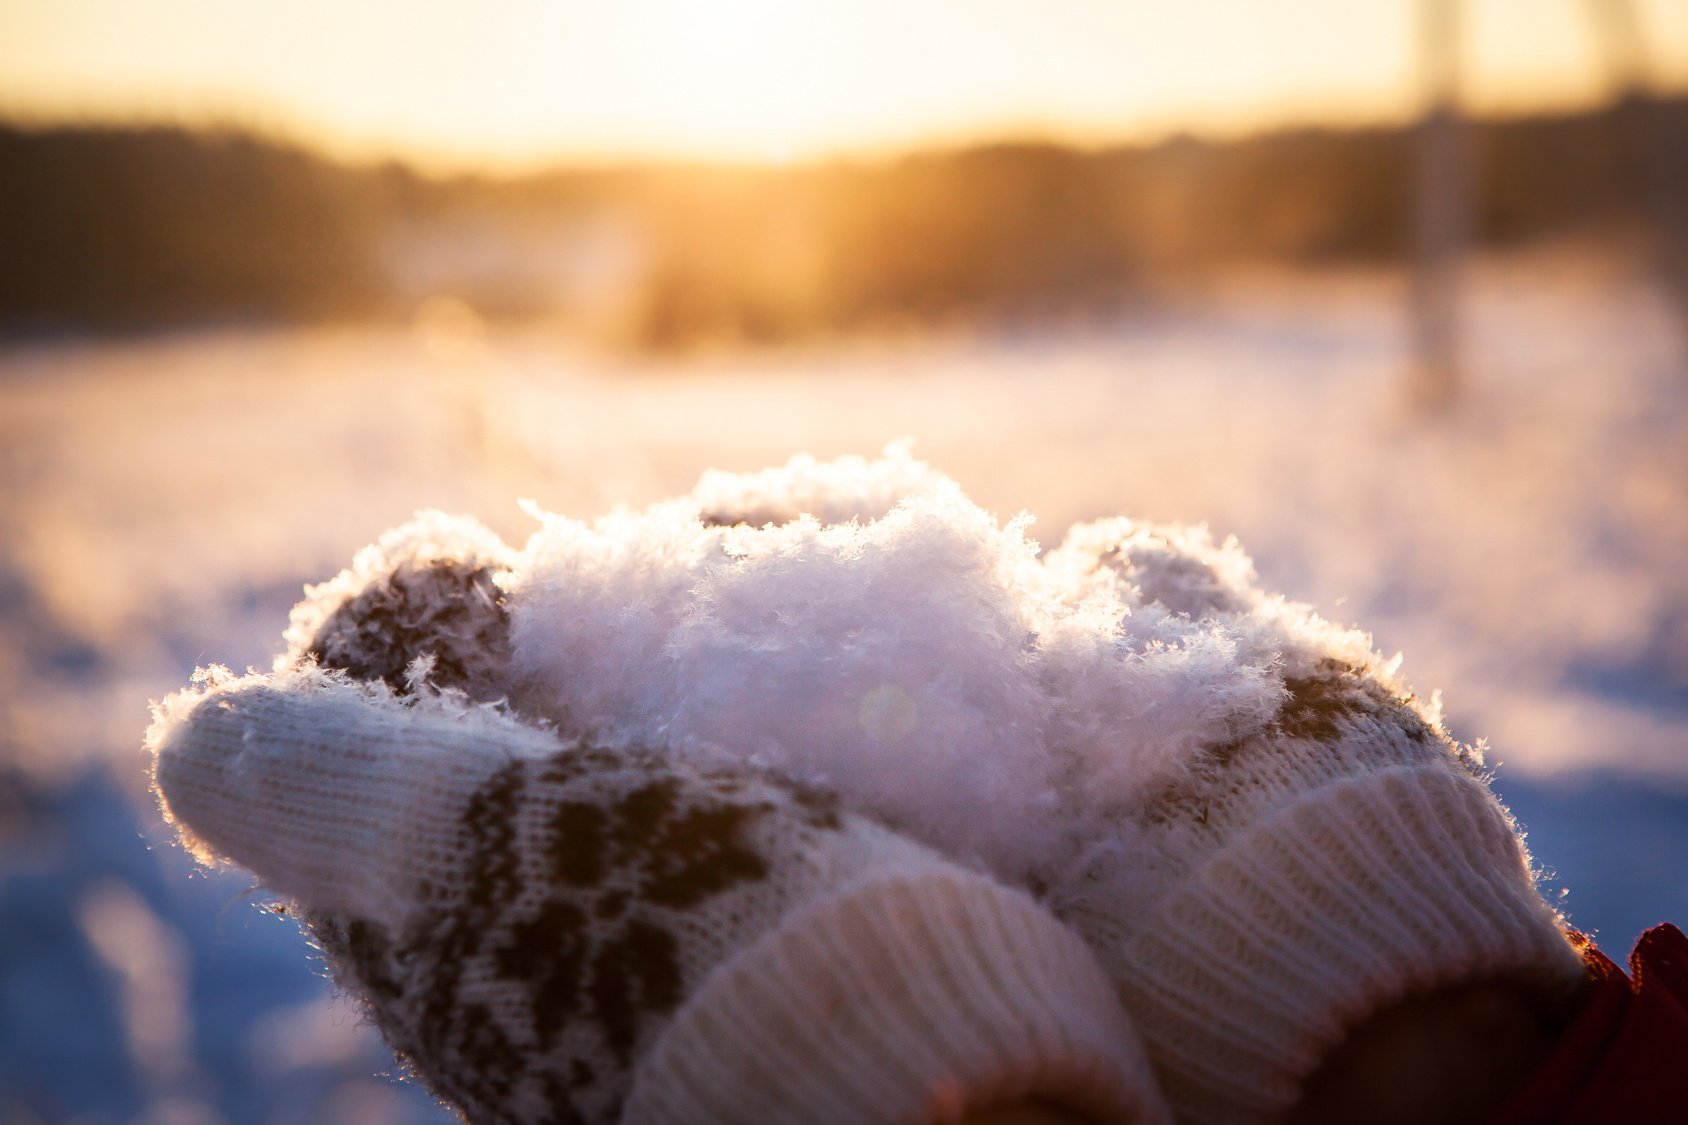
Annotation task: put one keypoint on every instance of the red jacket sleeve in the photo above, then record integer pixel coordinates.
(1625, 1058)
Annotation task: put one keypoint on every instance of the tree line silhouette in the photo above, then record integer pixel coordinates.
(107, 229)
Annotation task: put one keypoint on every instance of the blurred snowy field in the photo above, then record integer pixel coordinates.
(165, 499)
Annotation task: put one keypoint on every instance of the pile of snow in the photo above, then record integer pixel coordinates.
(904, 647)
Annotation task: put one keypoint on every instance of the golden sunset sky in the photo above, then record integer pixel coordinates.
(505, 83)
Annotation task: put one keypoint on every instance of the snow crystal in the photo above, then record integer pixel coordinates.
(909, 649)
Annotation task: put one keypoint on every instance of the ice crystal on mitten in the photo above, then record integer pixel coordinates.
(425, 591)
(903, 646)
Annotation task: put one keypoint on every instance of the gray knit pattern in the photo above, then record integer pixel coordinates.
(559, 936)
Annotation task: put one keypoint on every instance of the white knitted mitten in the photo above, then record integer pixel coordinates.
(553, 930)
(1260, 894)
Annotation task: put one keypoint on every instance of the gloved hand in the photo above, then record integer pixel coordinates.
(1262, 891)
(551, 927)
(1262, 838)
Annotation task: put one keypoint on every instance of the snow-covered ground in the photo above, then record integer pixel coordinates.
(165, 499)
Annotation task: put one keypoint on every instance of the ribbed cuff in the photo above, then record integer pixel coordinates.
(1352, 899)
(904, 999)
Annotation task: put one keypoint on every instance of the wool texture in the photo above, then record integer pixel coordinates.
(544, 929)
(1259, 831)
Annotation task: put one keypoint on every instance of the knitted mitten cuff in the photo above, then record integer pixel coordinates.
(1343, 903)
(900, 1000)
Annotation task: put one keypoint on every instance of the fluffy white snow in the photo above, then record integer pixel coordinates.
(907, 649)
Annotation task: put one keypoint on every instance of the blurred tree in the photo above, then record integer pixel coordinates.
(136, 229)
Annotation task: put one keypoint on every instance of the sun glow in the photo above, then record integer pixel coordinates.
(752, 75)
(519, 81)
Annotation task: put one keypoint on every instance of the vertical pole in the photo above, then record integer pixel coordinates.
(1619, 30)
(1443, 218)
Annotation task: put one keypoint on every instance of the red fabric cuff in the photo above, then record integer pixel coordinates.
(1625, 1058)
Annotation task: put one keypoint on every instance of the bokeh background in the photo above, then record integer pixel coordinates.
(1392, 290)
